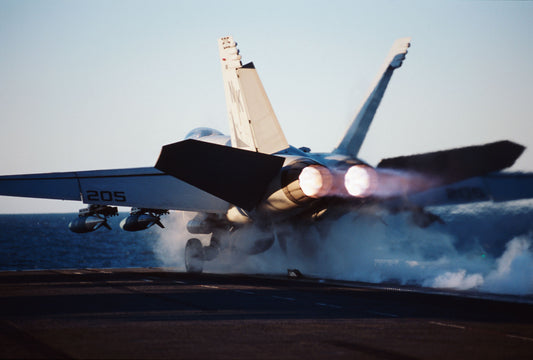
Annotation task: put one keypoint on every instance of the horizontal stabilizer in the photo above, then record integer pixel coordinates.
(494, 187)
(238, 176)
(449, 166)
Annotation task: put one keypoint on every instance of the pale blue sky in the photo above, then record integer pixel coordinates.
(104, 84)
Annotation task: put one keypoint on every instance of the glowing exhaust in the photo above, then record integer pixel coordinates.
(360, 181)
(315, 181)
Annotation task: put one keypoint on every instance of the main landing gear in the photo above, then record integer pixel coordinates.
(196, 254)
(242, 241)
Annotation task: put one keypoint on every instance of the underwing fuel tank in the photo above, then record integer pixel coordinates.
(137, 222)
(86, 224)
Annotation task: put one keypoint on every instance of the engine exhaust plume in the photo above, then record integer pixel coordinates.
(360, 180)
(392, 183)
(315, 181)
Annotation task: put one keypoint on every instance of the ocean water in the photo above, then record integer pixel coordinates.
(482, 247)
(43, 241)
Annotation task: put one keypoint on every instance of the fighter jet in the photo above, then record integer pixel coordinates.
(254, 178)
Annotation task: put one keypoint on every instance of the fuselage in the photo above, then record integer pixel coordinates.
(305, 182)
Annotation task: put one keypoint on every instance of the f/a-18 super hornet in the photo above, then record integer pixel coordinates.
(255, 178)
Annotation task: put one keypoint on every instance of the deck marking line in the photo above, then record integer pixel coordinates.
(210, 286)
(245, 292)
(383, 314)
(519, 337)
(448, 325)
(328, 305)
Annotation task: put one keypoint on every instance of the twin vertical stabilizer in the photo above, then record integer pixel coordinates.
(253, 124)
(355, 135)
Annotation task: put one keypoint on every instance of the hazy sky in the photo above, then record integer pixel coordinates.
(104, 84)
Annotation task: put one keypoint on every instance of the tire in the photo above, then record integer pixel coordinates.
(194, 256)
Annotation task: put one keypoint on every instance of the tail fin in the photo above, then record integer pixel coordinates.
(355, 135)
(253, 124)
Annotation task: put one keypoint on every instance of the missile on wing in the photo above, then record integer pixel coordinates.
(142, 219)
(92, 218)
(139, 222)
(87, 224)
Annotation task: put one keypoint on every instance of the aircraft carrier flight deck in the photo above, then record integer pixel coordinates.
(156, 313)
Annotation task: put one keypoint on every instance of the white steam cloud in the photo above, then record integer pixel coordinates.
(478, 248)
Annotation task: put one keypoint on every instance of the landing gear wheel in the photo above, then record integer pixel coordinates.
(212, 251)
(194, 256)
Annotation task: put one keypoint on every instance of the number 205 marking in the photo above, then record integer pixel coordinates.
(118, 196)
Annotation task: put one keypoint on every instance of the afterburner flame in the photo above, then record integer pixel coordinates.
(360, 180)
(315, 181)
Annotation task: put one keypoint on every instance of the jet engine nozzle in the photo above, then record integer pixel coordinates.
(315, 181)
(360, 181)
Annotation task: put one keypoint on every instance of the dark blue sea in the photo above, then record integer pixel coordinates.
(484, 247)
(43, 241)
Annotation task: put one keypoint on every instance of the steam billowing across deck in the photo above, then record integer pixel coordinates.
(481, 247)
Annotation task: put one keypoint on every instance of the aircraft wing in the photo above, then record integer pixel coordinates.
(137, 187)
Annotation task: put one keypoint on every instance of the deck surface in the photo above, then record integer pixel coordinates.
(156, 313)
